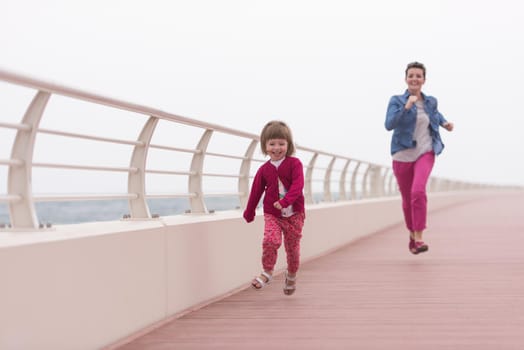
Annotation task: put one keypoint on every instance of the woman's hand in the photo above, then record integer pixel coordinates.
(448, 126)
(411, 100)
(277, 205)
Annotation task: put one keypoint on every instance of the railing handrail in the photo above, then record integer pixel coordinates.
(58, 89)
(366, 179)
(54, 88)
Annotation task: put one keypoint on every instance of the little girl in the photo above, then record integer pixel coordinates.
(281, 180)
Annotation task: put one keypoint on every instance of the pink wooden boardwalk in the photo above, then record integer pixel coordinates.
(467, 292)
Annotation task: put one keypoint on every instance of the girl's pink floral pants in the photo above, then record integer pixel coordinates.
(291, 229)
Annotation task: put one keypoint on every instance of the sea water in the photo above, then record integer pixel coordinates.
(75, 212)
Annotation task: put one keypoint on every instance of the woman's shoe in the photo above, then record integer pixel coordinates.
(411, 246)
(420, 247)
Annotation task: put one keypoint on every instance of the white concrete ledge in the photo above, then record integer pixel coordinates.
(88, 286)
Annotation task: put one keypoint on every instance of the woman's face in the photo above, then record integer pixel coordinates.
(415, 79)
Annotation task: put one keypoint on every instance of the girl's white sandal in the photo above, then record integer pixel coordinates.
(289, 288)
(260, 281)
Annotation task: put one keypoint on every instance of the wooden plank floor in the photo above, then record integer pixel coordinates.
(466, 292)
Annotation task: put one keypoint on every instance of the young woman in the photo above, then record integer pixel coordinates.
(415, 121)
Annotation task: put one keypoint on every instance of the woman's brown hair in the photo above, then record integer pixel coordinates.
(416, 65)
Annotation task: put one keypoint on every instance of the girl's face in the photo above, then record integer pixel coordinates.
(276, 149)
(415, 79)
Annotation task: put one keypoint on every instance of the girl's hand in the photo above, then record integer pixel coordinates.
(249, 216)
(448, 126)
(277, 205)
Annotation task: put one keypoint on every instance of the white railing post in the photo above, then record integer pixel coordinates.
(342, 182)
(198, 205)
(392, 184)
(22, 212)
(308, 181)
(365, 180)
(432, 184)
(354, 181)
(376, 181)
(136, 180)
(383, 190)
(243, 179)
(327, 180)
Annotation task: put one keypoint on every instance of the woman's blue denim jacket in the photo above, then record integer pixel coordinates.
(402, 122)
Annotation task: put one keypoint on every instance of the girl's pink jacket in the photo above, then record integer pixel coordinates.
(291, 173)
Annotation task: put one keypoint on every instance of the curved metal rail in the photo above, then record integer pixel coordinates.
(353, 178)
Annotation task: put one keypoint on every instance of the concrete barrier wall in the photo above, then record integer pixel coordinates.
(90, 286)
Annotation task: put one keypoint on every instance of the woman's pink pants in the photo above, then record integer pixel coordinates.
(412, 178)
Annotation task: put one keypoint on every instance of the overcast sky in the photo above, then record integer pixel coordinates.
(326, 67)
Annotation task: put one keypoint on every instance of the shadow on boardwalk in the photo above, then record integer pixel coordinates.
(467, 292)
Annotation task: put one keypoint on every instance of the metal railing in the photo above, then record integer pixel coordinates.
(328, 177)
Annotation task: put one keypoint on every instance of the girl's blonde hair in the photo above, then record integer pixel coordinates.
(277, 129)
